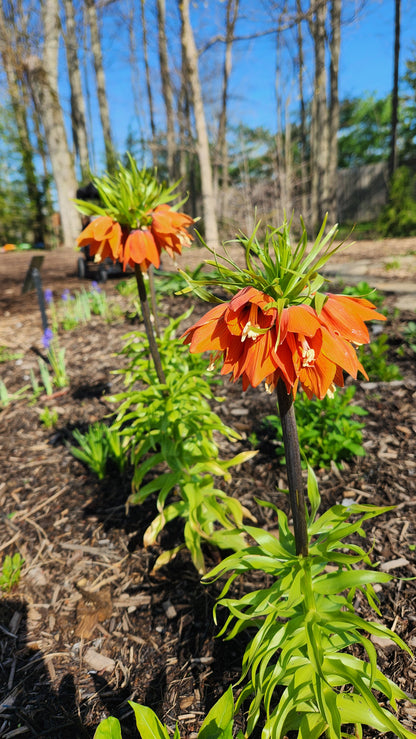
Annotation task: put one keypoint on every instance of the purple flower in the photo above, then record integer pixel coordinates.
(66, 295)
(47, 338)
(95, 286)
(48, 295)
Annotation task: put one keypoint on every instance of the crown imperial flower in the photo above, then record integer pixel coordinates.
(289, 330)
(134, 222)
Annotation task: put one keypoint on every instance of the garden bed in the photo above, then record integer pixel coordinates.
(90, 625)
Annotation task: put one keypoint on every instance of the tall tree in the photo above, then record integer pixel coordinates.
(333, 109)
(395, 92)
(221, 163)
(43, 77)
(202, 145)
(147, 72)
(319, 122)
(11, 52)
(78, 115)
(110, 154)
(166, 87)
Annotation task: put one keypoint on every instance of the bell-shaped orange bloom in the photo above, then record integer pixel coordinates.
(345, 315)
(298, 346)
(169, 229)
(9, 247)
(140, 248)
(104, 237)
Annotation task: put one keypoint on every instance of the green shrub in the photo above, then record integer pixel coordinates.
(398, 217)
(327, 429)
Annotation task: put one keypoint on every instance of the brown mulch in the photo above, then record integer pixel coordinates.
(90, 626)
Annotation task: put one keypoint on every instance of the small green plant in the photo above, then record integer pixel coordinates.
(99, 445)
(48, 417)
(218, 724)
(9, 356)
(298, 671)
(398, 217)
(393, 264)
(374, 358)
(171, 432)
(410, 335)
(11, 570)
(327, 430)
(55, 360)
(6, 398)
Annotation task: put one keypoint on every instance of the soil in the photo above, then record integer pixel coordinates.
(87, 590)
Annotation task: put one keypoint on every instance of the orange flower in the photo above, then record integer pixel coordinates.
(104, 237)
(299, 347)
(169, 229)
(9, 247)
(140, 248)
(345, 315)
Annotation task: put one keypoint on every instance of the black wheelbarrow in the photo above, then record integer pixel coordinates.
(88, 269)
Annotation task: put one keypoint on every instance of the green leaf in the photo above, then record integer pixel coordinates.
(219, 721)
(108, 729)
(148, 723)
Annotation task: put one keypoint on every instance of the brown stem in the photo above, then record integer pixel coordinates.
(151, 275)
(294, 468)
(148, 325)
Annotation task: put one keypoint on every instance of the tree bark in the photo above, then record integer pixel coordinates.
(208, 197)
(395, 91)
(78, 115)
(166, 87)
(20, 111)
(221, 164)
(110, 154)
(147, 72)
(319, 123)
(43, 76)
(333, 111)
(302, 113)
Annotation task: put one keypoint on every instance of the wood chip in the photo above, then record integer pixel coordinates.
(98, 662)
(393, 564)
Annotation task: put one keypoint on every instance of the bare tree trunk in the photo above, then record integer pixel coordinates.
(166, 87)
(43, 76)
(147, 71)
(20, 110)
(208, 197)
(78, 117)
(333, 111)
(221, 164)
(110, 154)
(302, 125)
(319, 124)
(134, 67)
(395, 92)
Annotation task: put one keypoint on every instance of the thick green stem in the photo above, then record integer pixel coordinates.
(151, 275)
(294, 467)
(148, 325)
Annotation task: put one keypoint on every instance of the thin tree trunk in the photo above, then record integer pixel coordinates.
(221, 165)
(100, 81)
(147, 72)
(20, 115)
(302, 113)
(333, 111)
(43, 76)
(319, 124)
(166, 87)
(208, 197)
(78, 116)
(134, 67)
(395, 92)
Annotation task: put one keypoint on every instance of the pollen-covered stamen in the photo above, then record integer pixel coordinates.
(250, 331)
(308, 354)
(330, 393)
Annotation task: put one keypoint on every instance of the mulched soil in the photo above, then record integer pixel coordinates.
(87, 589)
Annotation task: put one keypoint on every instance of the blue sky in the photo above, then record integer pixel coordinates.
(366, 62)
